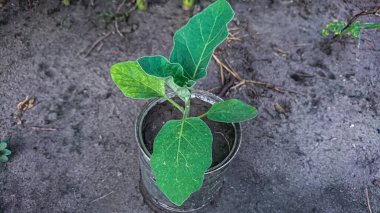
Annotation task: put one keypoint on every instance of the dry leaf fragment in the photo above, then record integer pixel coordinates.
(2, 3)
(26, 104)
(279, 108)
(22, 106)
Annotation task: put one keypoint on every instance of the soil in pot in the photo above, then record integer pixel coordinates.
(223, 133)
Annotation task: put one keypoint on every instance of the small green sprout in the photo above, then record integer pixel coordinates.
(182, 150)
(65, 22)
(187, 4)
(4, 152)
(142, 4)
(340, 28)
(66, 2)
(108, 16)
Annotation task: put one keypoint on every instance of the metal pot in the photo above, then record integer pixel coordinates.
(214, 176)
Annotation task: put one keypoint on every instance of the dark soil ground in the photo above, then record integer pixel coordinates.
(76, 152)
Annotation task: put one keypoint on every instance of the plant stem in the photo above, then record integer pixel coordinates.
(203, 115)
(187, 109)
(174, 104)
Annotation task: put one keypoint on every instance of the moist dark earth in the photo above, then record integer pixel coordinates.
(318, 150)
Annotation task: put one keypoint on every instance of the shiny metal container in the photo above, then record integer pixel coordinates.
(214, 176)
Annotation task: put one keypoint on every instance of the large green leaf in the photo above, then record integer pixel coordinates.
(231, 111)
(134, 82)
(182, 152)
(195, 42)
(172, 73)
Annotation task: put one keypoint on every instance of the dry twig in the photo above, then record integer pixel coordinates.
(227, 86)
(99, 47)
(92, 47)
(243, 82)
(43, 128)
(229, 69)
(102, 197)
(281, 53)
(265, 85)
(233, 34)
(367, 198)
(212, 89)
(116, 18)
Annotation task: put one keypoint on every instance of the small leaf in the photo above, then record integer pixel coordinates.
(3, 145)
(354, 29)
(3, 159)
(231, 111)
(172, 73)
(160, 67)
(142, 4)
(66, 2)
(5, 152)
(334, 27)
(195, 42)
(371, 25)
(108, 16)
(134, 82)
(182, 152)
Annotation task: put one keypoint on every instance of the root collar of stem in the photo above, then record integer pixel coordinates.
(175, 104)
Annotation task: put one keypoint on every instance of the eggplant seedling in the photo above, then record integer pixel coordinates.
(4, 152)
(340, 28)
(182, 150)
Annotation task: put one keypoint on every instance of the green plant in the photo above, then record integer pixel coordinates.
(4, 152)
(108, 16)
(66, 2)
(182, 150)
(340, 28)
(142, 4)
(187, 4)
(65, 22)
